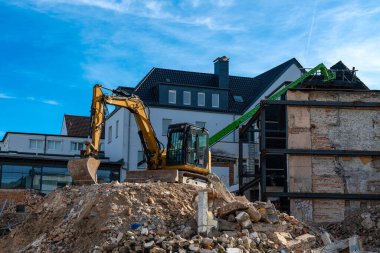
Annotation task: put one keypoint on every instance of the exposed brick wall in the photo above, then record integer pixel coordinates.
(332, 128)
(18, 197)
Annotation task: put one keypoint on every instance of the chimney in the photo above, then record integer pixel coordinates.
(221, 70)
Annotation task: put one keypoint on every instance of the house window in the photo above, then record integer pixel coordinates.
(35, 144)
(187, 98)
(200, 123)
(54, 145)
(117, 129)
(141, 162)
(109, 134)
(165, 126)
(76, 146)
(172, 96)
(201, 98)
(215, 100)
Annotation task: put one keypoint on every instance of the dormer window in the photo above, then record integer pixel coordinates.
(238, 99)
(201, 98)
(172, 97)
(187, 98)
(215, 100)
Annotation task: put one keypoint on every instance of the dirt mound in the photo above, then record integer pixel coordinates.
(363, 222)
(151, 217)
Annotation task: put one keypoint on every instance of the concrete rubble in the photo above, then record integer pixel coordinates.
(156, 217)
(153, 217)
(364, 223)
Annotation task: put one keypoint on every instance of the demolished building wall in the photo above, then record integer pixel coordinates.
(353, 131)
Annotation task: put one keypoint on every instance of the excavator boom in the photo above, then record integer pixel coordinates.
(83, 171)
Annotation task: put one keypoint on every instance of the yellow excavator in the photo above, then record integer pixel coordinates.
(187, 146)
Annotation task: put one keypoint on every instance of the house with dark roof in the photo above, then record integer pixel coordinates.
(210, 100)
(78, 126)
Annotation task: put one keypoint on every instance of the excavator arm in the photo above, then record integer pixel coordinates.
(327, 74)
(84, 170)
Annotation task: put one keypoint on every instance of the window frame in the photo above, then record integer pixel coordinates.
(55, 144)
(213, 99)
(117, 129)
(189, 94)
(109, 137)
(165, 133)
(175, 96)
(204, 98)
(197, 123)
(76, 145)
(36, 147)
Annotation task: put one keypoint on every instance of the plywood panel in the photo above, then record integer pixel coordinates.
(300, 173)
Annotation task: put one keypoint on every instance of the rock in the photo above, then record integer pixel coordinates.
(232, 207)
(242, 216)
(326, 239)
(157, 250)
(368, 223)
(206, 251)
(280, 239)
(246, 224)
(150, 201)
(231, 233)
(194, 247)
(231, 218)
(307, 238)
(187, 232)
(149, 245)
(207, 242)
(234, 250)
(254, 215)
(224, 225)
(119, 237)
(144, 231)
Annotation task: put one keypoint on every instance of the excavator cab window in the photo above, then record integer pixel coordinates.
(187, 144)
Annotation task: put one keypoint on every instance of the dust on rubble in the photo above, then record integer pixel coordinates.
(152, 217)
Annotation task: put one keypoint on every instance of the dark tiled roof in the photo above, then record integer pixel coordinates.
(345, 74)
(345, 79)
(250, 89)
(78, 126)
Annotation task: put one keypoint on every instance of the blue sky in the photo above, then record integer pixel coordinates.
(53, 51)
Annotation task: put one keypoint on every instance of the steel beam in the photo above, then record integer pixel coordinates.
(321, 152)
(314, 195)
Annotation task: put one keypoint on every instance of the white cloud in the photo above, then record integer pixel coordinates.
(50, 102)
(31, 98)
(5, 96)
(223, 3)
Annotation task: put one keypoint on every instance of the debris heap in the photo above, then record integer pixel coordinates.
(152, 217)
(364, 222)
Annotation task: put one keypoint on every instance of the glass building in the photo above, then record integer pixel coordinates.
(46, 173)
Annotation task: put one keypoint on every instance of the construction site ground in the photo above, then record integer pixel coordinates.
(162, 217)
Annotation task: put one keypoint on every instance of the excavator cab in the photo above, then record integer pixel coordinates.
(187, 148)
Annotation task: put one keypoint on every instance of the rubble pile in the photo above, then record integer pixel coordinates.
(152, 217)
(363, 222)
(15, 214)
(262, 224)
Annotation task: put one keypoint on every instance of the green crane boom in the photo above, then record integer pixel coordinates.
(328, 75)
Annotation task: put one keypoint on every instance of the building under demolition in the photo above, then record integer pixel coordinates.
(316, 151)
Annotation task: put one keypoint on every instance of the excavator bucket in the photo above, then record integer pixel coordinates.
(83, 171)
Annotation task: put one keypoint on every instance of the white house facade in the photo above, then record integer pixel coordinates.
(174, 96)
